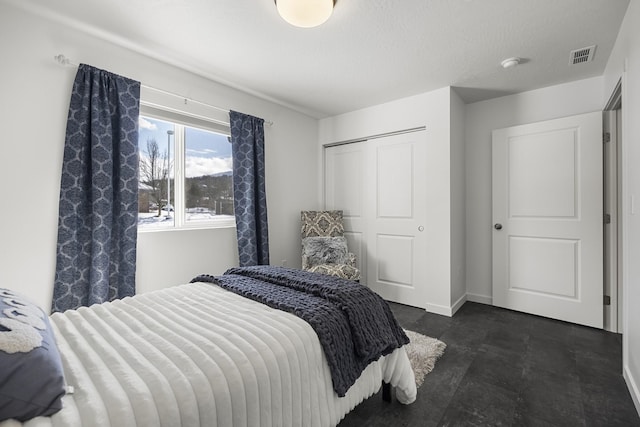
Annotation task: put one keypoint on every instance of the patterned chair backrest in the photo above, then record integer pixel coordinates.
(322, 223)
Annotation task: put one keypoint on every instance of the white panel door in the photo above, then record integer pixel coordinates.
(397, 206)
(548, 219)
(344, 190)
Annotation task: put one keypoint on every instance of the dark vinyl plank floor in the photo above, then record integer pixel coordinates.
(505, 368)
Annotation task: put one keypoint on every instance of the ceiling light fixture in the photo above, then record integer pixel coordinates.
(305, 13)
(510, 62)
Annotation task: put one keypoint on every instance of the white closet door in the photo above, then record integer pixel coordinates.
(380, 184)
(396, 212)
(344, 190)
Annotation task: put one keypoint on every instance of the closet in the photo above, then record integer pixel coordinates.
(397, 171)
(380, 184)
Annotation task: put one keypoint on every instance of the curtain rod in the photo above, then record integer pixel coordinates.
(63, 60)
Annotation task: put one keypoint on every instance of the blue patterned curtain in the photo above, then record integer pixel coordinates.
(97, 223)
(249, 196)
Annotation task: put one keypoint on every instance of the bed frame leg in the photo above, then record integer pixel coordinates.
(386, 392)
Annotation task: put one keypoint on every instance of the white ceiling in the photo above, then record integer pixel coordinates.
(369, 52)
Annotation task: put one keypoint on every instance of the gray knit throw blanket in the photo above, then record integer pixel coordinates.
(355, 325)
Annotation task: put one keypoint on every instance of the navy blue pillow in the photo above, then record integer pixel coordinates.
(31, 377)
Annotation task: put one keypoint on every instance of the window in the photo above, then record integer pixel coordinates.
(185, 173)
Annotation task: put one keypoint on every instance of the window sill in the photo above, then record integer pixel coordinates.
(207, 226)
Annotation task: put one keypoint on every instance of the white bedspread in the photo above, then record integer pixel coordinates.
(197, 355)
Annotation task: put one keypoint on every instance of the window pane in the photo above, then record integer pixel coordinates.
(156, 184)
(208, 176)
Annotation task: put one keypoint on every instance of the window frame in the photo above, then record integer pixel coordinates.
(181, 120)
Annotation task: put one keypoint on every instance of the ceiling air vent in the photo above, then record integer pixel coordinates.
(582, 55)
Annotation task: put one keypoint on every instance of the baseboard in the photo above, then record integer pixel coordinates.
(458, 304)
(632, 385)
(450, 311)
(482, 299)
(439, 309)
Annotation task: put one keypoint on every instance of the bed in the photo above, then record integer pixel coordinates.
(200, 354)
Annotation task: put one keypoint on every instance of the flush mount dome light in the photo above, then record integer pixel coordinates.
(305, 13)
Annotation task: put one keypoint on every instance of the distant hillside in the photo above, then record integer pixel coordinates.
(214, 192)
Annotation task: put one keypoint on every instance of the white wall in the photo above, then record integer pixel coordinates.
(481, 118)
(432, 110)
(458, 206)
(34, 102)
(624, 63)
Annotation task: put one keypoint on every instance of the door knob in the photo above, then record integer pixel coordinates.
(498, 226)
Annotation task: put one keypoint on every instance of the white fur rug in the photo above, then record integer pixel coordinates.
(423, 352)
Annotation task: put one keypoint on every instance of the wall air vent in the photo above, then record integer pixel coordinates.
(582, 55)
